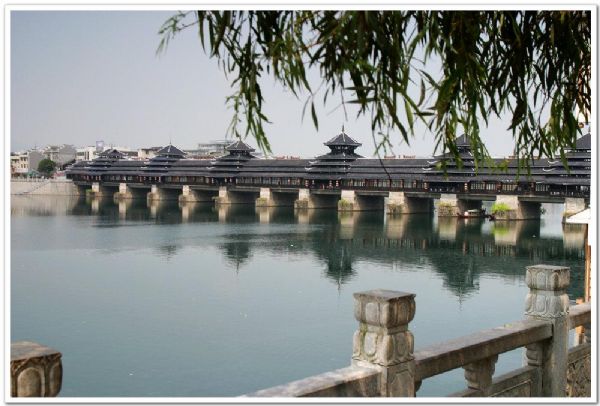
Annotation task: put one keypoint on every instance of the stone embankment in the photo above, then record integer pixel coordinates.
(43, 187)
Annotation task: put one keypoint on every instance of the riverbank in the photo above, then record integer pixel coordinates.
(50, 187)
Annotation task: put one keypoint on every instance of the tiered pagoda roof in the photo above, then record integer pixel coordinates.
(231, 164)
(335, 164)
(164, 159)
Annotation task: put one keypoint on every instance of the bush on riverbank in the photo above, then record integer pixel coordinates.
(500, 208)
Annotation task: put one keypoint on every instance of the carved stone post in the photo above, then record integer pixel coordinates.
(35, 370)
(547, 300)
(479, 374)
(383, 339)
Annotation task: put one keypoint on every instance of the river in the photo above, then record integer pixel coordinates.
(165, 301)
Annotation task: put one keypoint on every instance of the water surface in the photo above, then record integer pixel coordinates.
(193, 301)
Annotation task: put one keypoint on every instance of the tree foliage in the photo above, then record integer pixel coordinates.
(46, 167)
(532, 66)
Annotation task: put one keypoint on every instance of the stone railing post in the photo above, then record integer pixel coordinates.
(479, 374)
(548, 301)
(383, 339)
(35, 370)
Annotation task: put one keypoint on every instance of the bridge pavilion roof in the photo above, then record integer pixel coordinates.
(584, 143)
(163, 161)
(337, 162)
(231, 164)
(341, 164)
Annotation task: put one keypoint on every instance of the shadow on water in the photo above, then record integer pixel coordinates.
(459, 250)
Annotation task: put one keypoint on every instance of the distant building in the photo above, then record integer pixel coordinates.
(25, 163)
(213, 148)
(60, 154)
(147, 153)
(86, 153)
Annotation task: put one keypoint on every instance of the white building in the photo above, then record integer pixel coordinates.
(147, 153)
(86, 153)
(23, 163)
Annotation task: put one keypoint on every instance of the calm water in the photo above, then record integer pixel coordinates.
(193, 301)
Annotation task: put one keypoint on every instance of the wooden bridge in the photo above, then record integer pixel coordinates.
(343, 179)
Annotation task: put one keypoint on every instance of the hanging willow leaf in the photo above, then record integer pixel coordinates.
(533, 66)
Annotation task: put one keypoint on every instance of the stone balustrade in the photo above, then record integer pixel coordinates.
(384, 363)
(35, 370)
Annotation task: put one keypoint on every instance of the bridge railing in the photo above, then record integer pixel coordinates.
(384, 363)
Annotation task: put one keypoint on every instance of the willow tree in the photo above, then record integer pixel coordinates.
(531, 68)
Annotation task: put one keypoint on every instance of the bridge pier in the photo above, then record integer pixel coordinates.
(98, 190)
(350, 201)
(157, 193)
(573, 205)
(307, 200)
(269, 198)
(509, 207)
(227, 196)
(400, 203)
(450, 206)
(127, 192)
(191, 195)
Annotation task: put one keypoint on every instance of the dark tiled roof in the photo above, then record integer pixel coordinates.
(111, 153)
(170, 150)
(239, 146)
(463, 141)
(342, 139)
(584, 142)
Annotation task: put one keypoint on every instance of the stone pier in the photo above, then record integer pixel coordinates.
(269, 198)
(308, 200)
(127, 192)
(450, 206)
(351, 201)
(98, 190)
(573, 206)
(191, 195)
(400, 203)
(157, 193)
(509, 207)
(227, 196)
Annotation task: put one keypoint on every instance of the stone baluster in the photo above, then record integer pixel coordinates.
(383, 339)
(35, 370)
(548, 301)
(479, 374)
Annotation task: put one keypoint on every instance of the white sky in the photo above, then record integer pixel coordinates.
(82, 76)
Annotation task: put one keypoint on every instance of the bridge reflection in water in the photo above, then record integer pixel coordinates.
(459, 250)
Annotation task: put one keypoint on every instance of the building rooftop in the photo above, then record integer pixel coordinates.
(342, 139)
(240, 146)
(170, 150)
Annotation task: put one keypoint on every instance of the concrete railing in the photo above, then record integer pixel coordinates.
(35, 370)
(384, 363)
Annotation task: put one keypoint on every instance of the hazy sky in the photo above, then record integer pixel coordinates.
(82, 76)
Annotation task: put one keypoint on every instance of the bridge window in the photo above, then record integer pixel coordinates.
(541, 187)
(490, 186)
(509, 187)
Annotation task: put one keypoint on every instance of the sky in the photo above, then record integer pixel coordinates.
(81, 76)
